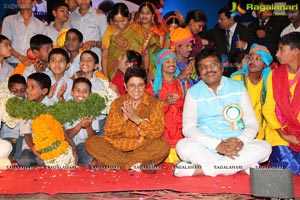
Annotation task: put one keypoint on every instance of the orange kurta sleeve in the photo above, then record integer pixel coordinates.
(19, 69)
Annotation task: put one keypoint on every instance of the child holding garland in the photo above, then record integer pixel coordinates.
(38, 87)
(83, 128)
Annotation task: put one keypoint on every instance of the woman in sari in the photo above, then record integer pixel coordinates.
(124, 36)
(150, 19)
(195, 21)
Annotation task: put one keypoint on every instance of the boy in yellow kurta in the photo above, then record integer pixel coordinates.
(282, 106)
(254, 75)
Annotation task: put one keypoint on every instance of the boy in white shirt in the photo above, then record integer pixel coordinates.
(60, 12)
(83, 128)
(38, 87)
(61, 82)
(91, 24)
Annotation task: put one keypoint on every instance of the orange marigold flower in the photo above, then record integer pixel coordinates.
(48, 137)
(101, 75)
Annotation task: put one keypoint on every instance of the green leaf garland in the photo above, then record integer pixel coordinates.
(63, 111)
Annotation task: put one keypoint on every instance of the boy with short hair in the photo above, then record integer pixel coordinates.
(60, 12)
(61, 82)
(73, 43)
(40, 45)
(89, 63)
(83, 128)
(91, 24)
(38, 87)
(19, 28)
(17, 86)
(5, 51)
(282, 107)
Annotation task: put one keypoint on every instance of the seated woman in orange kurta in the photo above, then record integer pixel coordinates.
(133, 130)
(171, 91)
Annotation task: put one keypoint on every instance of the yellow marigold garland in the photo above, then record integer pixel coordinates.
(48, 137)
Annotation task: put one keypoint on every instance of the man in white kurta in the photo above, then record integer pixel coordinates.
(219, 125)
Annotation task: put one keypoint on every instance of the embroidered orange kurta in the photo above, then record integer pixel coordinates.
(125, 134)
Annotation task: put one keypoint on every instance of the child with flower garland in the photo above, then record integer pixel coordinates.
(17, 86)
(89, 63)
(85, 127)
(38, 87)
(5, 51)
(61, 82)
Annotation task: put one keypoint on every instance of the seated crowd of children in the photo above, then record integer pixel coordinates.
(154, 71)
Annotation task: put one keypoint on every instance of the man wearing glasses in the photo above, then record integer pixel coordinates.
(219, 125)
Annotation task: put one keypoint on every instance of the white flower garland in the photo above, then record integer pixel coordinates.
(5, 94)
(109, 96)
(64, 161)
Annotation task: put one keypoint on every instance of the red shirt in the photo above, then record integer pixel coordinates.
(118, 80)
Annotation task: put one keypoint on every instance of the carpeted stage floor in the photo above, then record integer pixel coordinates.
(94, 182)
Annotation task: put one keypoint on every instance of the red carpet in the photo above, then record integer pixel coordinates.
(84, 180)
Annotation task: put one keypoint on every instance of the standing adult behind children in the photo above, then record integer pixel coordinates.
(5, 51)
(151, 19)
(124, 36)
(91, 24)
(282, 106)
(19, 28)
(267, 28)
(254, 76)
(171, 90)
(229, 35)
(41, 45)
(294, 17)
(60, 12)
(195, 21)
(219, 124)
(133, 130)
